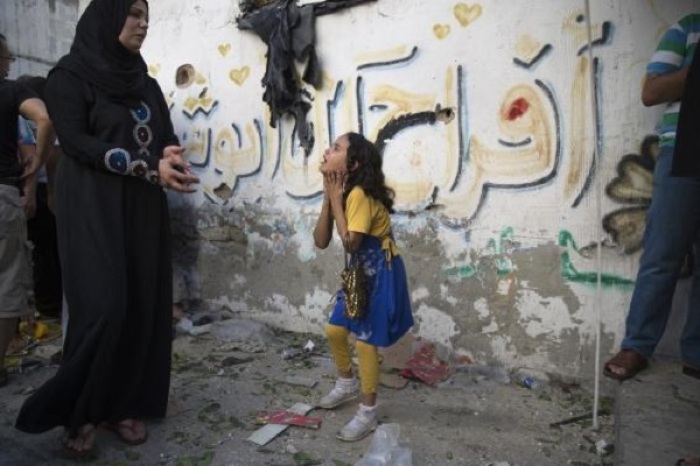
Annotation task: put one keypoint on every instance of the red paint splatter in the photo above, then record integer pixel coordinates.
(518, 108)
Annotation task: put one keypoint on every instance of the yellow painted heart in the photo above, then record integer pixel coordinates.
(224, 49)
(466, 14)
(153, 70)
(527, 47)
(239, 76)
(441, 30)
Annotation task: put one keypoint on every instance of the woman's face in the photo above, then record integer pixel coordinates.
(335, 158)
(135, 27)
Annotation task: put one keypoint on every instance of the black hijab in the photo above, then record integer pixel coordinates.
(99, 58)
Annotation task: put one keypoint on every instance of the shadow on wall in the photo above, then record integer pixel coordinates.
(634, 185)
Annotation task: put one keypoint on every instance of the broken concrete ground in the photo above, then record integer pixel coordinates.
(658, 417)
(223, 379)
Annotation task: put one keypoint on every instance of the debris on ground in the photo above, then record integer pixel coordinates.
(227, 379)
(385, 449)
(288, 418)
(579, 418)
(265, 434)
(476, 377)
(427, 366)
(185, 325)
(299, 381)
(603, 448)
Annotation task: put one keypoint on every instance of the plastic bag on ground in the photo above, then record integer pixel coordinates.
(385, 449)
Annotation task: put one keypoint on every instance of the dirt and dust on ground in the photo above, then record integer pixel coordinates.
(228, 375)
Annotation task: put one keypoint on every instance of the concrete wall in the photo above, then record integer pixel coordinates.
(499, 208)
(501, 202)
(39, 32)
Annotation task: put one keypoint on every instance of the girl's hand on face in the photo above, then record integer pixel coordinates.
(326, 186)
(334, 182)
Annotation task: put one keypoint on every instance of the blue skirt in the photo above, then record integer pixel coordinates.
(389, 314)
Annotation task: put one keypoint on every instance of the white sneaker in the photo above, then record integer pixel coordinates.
(360, 426)
(344, 390)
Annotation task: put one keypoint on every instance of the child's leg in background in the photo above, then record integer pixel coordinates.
(368, 356)
(340, 348)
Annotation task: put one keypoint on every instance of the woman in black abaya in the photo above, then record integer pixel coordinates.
(113, 233)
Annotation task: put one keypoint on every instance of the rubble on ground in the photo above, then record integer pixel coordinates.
(239, 376)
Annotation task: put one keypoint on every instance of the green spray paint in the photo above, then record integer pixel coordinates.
(463, 271)
(504, 265)
(569, 272)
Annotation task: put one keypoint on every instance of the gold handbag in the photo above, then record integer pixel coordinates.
(355, 287)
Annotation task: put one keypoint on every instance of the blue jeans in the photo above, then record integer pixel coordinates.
(673, 227)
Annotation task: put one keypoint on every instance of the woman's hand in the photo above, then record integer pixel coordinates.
(174, 172)
(175, 154)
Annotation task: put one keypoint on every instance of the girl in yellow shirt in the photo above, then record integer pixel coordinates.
(359, 203)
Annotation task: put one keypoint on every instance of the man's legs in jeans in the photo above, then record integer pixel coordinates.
(672, 225)
(690, 340)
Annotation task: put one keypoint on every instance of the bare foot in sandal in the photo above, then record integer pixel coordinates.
(129, 431)
(625, 364)
(81, 447)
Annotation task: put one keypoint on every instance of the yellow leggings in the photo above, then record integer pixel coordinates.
(367, 354)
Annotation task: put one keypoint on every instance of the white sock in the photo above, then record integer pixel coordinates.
(369, 411)
(347, 383)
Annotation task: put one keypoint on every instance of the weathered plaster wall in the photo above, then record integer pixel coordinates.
(498, 213)
(498, 206)
(39, 32)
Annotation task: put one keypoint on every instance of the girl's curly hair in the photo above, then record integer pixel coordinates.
(368, 174)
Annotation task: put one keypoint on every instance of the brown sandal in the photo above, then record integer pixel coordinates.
(631, 361)
(127, 431)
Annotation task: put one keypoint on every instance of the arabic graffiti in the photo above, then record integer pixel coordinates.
(434, 158)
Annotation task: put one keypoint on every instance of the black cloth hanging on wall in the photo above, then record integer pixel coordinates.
(289, 32)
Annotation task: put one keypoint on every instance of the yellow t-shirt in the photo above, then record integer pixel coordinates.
(367, 215)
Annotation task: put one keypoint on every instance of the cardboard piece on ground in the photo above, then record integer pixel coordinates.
(397, 355)
(299, 381)
(265, 434)
(290, 418)
(392, 380)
